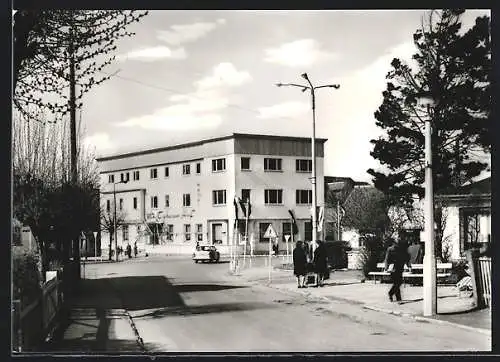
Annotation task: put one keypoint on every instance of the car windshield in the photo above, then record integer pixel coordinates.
(205, 248)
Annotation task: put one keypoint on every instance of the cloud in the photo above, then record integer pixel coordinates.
(198, 109)
(346, 116)
(154, 53)
(224, 74)
(286, 109)
(298, 53)
(100, 141)
(180, 34)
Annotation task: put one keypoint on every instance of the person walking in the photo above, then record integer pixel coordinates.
(300, 264)
(135, 249)
(397, 255)
(320, 263)
(129, 251)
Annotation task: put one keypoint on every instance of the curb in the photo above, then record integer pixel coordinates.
(427, 319)
(382, 310)
(139, 340)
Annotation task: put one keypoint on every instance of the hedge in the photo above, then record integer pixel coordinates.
(26, 276)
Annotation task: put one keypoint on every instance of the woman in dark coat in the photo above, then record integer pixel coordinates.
(320, 262)
(299, 264)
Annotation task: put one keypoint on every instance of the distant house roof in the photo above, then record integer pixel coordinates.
(482, 187)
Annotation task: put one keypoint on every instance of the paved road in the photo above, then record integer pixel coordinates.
(177, 305)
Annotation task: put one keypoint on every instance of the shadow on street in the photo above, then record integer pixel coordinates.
(135, 293)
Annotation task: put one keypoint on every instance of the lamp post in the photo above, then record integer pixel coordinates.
(426, 100)
(114, 215)
(312, 88)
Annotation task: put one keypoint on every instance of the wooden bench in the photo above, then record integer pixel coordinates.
(443, 270)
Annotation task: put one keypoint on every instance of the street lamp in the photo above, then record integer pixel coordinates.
(426, 100)
(312, 88)
(114, 215)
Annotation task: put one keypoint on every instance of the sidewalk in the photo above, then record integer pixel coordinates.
(347, 286)
(94, 324)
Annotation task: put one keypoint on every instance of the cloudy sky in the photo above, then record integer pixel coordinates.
(188, 75)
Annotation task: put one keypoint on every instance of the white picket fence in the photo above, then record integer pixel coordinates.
(484, 266)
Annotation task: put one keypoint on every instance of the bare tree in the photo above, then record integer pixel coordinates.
(108, 224)
(43, 198)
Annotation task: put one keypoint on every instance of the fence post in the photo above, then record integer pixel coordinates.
(473, 270)
(17, 333)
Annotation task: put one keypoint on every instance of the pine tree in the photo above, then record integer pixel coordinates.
(456, 69)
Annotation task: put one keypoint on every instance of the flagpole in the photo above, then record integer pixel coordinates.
(246, 230)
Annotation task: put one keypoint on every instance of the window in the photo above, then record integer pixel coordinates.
(245, 163)
(121, 204)
(186, 200)
(218, 164)
(273, 197)
(199, 232)
(124, 177)
(135, 203)
(154, 202)
(245, 194)
(287, 230)
(186, 169)
(111, 179)
(308, 228)
(303, 165)
(167, 200)
(262, 230)
(303, 197)
(108, 205)
(219, 197)
(125, 232)
(198, 168)
(187, 232)
(136, 175)
(476, 228)
(170, 232)
(272, 164)
(166, 172)
(153, 173)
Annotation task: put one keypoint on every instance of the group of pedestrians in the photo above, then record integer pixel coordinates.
(129, 250)
(305, 261)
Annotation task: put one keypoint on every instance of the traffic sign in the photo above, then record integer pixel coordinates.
(270, 232)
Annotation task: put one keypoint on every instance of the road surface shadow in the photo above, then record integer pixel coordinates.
(137, 293)
(206, 309)
(186, 288)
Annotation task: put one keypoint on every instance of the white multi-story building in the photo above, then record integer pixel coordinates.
(183, 194)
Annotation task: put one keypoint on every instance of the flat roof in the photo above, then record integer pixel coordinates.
(208, 140)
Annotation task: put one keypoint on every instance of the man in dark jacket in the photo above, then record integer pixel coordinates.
(397, 255)
(300, 264)
(320, 262)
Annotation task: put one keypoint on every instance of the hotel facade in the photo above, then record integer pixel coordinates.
(184, 194)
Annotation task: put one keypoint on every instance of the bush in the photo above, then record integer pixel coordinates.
(26, 275)
(337, 253)
(458, 271)
(371, 253)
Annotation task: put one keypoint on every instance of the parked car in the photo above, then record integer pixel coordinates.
(206, 253)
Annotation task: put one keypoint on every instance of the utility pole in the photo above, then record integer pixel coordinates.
(72, 115)
(426, 100)
(312, 88)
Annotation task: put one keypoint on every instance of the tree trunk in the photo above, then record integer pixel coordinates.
(110, 245)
